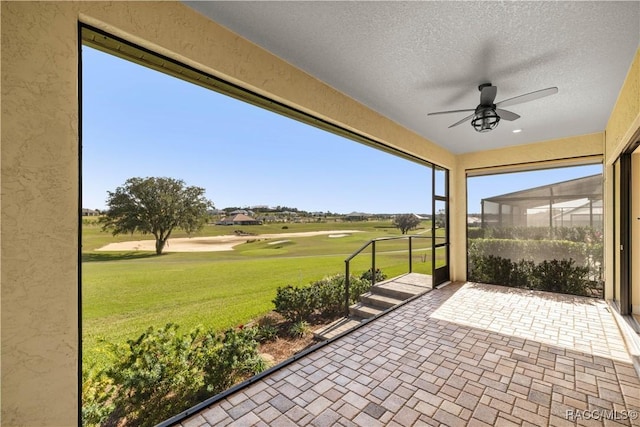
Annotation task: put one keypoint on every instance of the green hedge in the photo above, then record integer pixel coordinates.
(572, 234)
(584, 254)
(324, 297)
(561, 276)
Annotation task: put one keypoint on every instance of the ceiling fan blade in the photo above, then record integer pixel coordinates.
(528, 97)
(449, 112)
(507, 115)
(488, 95)
(462, 121)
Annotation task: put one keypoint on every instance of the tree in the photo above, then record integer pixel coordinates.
(406, 222)
(155, 206)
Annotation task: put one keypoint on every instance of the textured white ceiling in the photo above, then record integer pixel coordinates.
(406, 59)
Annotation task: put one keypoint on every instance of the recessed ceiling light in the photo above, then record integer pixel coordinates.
(516, 130)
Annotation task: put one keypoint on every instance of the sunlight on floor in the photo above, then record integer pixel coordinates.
(571, 322)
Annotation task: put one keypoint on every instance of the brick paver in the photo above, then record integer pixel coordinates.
(466, 354)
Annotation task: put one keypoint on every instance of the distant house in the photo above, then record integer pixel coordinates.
(90, 212)
(242, 212)
(239, 219)
(357, 216)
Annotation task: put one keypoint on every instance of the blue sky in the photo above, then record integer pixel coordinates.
(139, 122)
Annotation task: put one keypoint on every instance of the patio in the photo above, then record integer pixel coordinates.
(464, 354)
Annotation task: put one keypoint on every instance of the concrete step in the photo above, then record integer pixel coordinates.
(377, 300)
(382, 296)
(336, 328)
(364, 311)
(399, 291)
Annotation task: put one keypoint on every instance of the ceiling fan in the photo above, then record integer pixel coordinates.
(487, 115)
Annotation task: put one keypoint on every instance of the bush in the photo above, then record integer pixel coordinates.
(230, 359)
(97, 397)
(163, 373)
(367, 275)
(330, 293)
(324, 297)
(267, 332)
(358, 287)
(492, 269)
(561, 276)
(584, 254)
(295, 304)
(475, 232)
(299, 329)
(572, 234)
(522, 274)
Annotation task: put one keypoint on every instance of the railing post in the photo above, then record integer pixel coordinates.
(373, 263)
(410, 257)
(346, 288)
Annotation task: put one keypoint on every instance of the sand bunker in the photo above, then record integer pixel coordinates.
(278, 242)
(213, 243)
(338, 235)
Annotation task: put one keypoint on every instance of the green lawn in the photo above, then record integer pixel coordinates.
(123, 293)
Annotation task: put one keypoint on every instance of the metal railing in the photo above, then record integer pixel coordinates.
(372, 243)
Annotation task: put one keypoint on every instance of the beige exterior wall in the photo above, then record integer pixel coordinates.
(635, 232)
(40, 170)
(39, 179)
(624, 121)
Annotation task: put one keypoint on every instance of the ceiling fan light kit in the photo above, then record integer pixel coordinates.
(487, 115)
(485, 120)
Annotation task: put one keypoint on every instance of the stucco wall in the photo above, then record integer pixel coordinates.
(40, 170)
(39, 215)
(625, 117)
(635, 232)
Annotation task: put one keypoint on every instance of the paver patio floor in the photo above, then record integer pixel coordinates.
(465, 354)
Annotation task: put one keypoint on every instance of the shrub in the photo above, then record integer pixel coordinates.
(299, 329)
(522, 274)
(357, 287)
(267, 328)
(324, 297)
(367, 275)
(475, 233)
(560, 276)
(162, 373)
(584, 254)
(97, 397)
(267, 332)
(231, 358)
(492, 269)
(295, 304)
(330, 293)
(572, 234)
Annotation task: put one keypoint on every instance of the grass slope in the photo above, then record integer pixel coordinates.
(123, 293)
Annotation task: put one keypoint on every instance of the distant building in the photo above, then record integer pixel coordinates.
(90, 212)
(239, 219)
(242, 212)
(357, 216)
